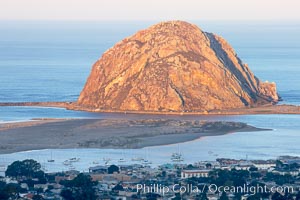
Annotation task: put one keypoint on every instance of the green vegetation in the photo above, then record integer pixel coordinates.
(25, 168)
(229, 178)
(80, 188)
(112, 169)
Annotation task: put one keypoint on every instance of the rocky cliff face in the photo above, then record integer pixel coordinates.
(173, 66)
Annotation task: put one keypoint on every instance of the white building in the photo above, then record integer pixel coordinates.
(285, 172)
(264, 164)
(194, 173)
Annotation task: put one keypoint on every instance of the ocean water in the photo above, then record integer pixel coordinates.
(50, 61)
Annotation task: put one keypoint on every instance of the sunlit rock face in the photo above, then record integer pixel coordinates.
(173, 66)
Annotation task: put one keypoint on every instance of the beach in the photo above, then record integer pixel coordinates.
(108, 133)
(260, 109)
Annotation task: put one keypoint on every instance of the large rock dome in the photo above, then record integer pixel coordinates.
(173, 66)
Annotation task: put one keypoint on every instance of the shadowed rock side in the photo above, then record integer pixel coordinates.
(173, 66)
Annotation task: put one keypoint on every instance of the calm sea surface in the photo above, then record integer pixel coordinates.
(50, 61)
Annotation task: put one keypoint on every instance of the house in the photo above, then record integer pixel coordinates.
(98, 169)
(27, 196)
(208, 164)
(62, 178)
(109, 177)
(8, 180)
(286, 172)
(24, 186)
(264, 164)
(242, 167)
(226, 161)
(128, 192)
(212, 196)
(44, 187)
(194, 173)
(245, 197)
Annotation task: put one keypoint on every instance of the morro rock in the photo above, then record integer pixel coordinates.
(173, 66)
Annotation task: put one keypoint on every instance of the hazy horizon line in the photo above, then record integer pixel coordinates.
(150, 20)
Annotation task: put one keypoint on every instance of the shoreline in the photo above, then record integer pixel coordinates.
(109, 133)
(263, 109)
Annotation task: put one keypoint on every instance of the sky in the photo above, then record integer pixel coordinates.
(149, 10)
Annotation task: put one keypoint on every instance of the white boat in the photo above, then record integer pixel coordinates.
(146, 162)
(137, 159)
(106, 163)
(51, 159)
(2, 168)
(95, 162)
(122, 160)
(74, 159)
(177, 157)
(106, 159)
(67, 162)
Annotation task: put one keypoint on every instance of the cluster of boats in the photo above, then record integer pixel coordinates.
(71, 160)
(107, 161)
(175, 157)
(142, 160)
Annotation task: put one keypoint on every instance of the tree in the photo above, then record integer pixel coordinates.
(253, 169)
(288, 196)
(254, 197)
(294, 166)
(39, 190)
(40, 175)
(298, 196)
(208, 165)
(37, 197)
(134, 196)
(80, 188)
(203, 196)
(113, 168)
(152, 196)
(67, 194)
(27, 168)
(3, 194)
(12, 190)
(237, 196)
(190, 166)
(177, 196)
(255, 175)
(224, 196)
(82, 181)
(118, 187)
(279, 164)
(2, 185)
(277, 196)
